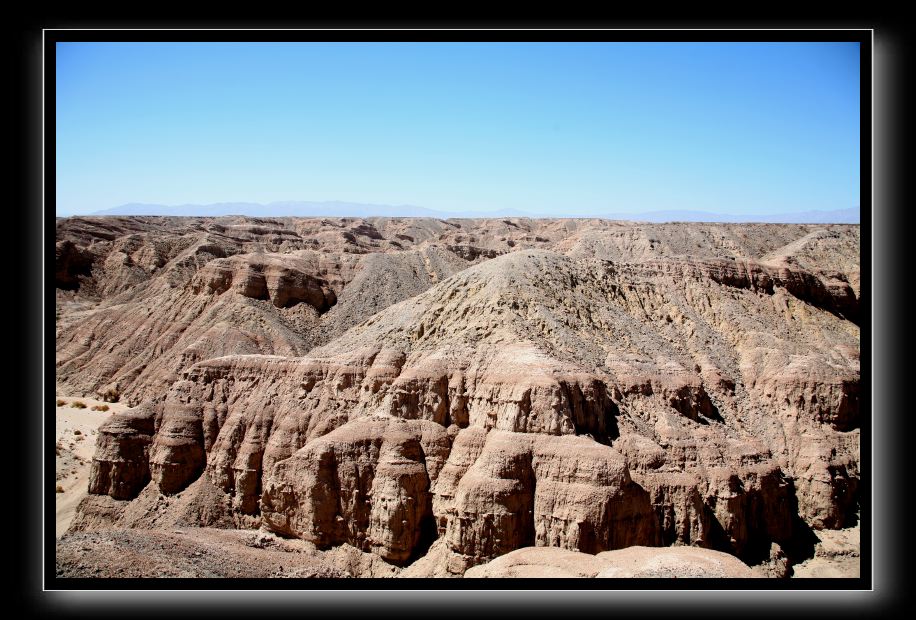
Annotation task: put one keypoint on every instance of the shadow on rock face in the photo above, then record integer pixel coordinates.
(71, 263)
(428, 535)
(712, 414)
(802, 544)
(592, 411)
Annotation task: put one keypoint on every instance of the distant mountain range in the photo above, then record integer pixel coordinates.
(350, 209)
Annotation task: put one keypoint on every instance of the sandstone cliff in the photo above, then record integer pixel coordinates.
(442, 388)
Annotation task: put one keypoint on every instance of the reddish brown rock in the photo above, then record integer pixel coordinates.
(176, 455)
(636, 561)
(365, 484)
(589, 386)
(120, 467)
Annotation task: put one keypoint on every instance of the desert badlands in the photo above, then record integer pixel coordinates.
(400, 397)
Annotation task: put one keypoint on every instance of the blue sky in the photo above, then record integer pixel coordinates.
(550, 128)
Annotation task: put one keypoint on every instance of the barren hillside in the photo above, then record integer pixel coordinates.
(431, 395)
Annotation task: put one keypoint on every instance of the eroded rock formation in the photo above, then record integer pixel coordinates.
(616, 386)
(635, 561)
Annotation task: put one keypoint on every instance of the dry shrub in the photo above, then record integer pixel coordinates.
(100, 407)
(78, 404)
(61, 403)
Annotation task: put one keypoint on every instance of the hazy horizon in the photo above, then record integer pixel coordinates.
(353, 210)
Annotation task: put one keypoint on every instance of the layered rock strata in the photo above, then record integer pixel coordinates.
(533, 399)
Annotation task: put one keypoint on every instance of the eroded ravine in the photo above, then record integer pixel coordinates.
(529, 400)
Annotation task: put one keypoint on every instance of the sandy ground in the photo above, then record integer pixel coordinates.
(74, 451)
(836, 555)
(208, 552)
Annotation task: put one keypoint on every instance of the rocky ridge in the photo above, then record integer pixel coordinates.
(611, 388)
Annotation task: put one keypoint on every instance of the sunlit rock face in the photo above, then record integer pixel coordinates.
(416, 387)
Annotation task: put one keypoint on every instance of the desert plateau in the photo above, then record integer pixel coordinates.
(456, 398)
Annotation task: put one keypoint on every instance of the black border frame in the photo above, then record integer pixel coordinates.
(864, 36)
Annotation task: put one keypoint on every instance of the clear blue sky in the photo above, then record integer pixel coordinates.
(553, 128)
